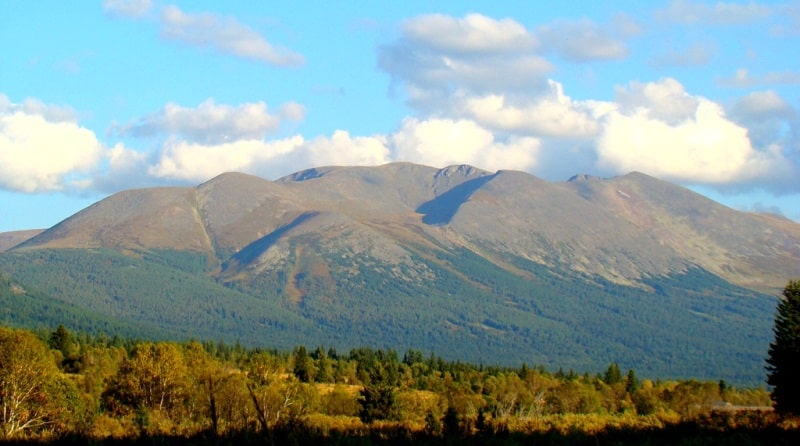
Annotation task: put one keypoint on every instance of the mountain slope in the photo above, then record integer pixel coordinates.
(490, 267)
(753, 250)
(137, 219)
(623, 229)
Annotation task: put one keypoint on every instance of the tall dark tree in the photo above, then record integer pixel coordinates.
(61, 340)
(613, 374)
(450, 422)
(324, 366)
(303, 365)
(631, 382)
(784, 353)
(377, 403)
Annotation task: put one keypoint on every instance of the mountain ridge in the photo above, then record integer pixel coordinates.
(632, 213)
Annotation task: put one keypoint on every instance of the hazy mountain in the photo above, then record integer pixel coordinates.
(11, 239)
(484, 266)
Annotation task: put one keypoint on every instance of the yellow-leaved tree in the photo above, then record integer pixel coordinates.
(30, 400)
(153, 378)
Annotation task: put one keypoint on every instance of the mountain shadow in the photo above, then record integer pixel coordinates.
(440, 210)
(251, 252)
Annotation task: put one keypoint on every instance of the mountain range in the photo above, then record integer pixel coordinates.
(491, 267)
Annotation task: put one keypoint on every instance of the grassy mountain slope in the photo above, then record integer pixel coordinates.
(158, 218)
(754, 250)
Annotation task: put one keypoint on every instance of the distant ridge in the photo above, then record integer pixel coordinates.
(651, 225)
(11, 239)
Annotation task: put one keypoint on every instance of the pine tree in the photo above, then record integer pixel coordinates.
(631, 382)
(451, 423)
(784, 353)
(377, 403)
(613, 374)
(60, 340)
(303, 365)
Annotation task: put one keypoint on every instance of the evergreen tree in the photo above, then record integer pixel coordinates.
(60, 340)
(631, 382)
(450, 422)
(613, 374)
(377, 403)
(784, 353)
(723, 387)
(303, 365)
(324, 366)
(412, 357)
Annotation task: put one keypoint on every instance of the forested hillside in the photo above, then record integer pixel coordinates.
(156, 296)
(690, 325)
(23, 306)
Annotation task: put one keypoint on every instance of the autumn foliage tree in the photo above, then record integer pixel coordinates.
(154, 377)
(784, 353)
(29, 384)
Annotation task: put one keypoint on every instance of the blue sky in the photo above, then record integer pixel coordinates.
(102, 96)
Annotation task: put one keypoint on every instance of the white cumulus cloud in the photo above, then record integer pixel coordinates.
(551, 114)
(210, 122)
(437, 54)
(41, 149)
(771, 121)
(342, 149)
(690, 140)
(763, 104)
(193, 162)
(664, 100)
(443, 142)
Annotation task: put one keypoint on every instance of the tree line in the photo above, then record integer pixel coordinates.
(59, 384)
